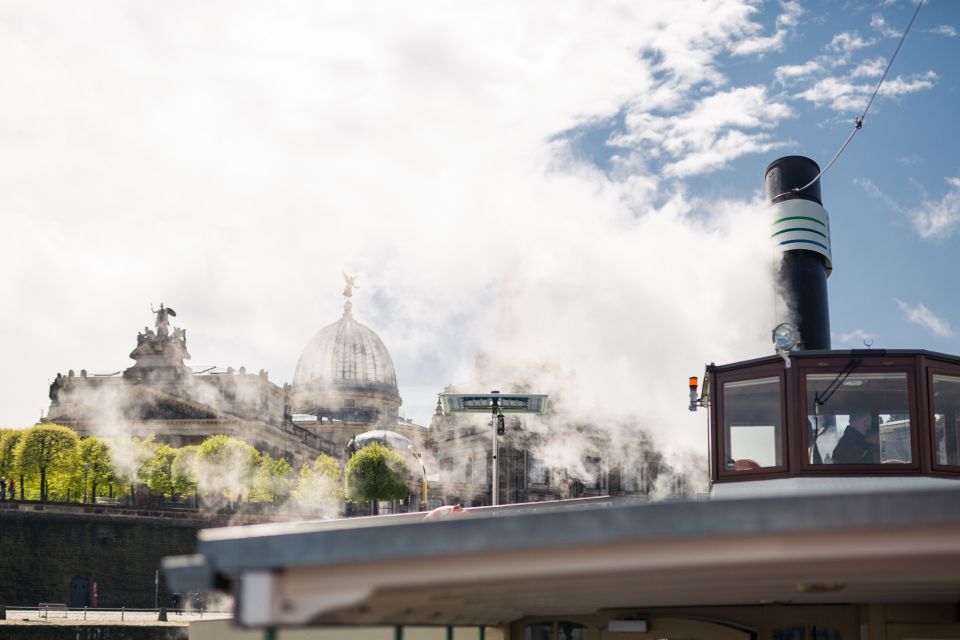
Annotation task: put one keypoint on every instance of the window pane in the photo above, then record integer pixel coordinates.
(861, 419)
(479, 472)
(633, 477)
(537, 471)
(539, 631)
(571, 631)
(594, 476)
(752, 429)
(946, 412)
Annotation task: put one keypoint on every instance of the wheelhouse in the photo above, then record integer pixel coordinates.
(867, 412)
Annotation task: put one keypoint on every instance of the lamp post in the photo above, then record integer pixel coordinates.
(499, 429)
(418, 454)
(498, 404)
(86, 467)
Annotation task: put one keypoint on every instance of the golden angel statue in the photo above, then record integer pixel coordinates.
(351, 283)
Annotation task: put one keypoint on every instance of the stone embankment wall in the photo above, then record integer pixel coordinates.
(44, 547)
(91, 632)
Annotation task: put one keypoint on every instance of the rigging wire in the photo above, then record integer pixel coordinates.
(858, 122)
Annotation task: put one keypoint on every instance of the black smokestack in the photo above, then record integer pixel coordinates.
(801, 230)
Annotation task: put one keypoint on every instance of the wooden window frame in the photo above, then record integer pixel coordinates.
(899, 364)
(718, 444)
(932, 368)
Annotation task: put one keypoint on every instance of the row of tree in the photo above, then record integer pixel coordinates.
(56, 464)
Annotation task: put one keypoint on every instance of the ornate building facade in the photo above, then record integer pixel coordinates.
(344, 395)
(161, 396)
(527, 470)
(344, 385)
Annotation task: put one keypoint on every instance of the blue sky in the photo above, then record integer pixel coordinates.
(894, 193)
(571, 188)
(901, 167)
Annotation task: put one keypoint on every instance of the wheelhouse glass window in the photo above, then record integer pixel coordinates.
(538, 631)
(564, 631)
(946, 414)
(571, 631)
(752, 423)
(860, 418)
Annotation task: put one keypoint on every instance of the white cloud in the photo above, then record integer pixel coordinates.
(879, 24)
(858, 339)
(870, 68)
(714, 131)
(920, 315)
(910, 159)
(838, 93)
(788, 18)
(847, 42)
(945, 30)
(932, 220)
(874, 191)
(844, 96)
(792, 71)
(899, 86)
(231, 160)
(941, 219)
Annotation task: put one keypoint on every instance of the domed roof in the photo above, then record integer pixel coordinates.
(390, 439)
(346, 353)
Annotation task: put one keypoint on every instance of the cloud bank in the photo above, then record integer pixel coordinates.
(231, 160)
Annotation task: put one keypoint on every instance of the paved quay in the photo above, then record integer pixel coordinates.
(113, 616)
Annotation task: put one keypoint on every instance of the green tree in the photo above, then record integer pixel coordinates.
(318, 487)
(376, 473)
(96, 466)
(157, 469)
(50, 452)
(225, 466)
(183, 470)
(8, 442)
(272, 481)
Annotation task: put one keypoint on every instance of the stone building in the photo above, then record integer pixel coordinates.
(344, 393)
(627, 466)
(161, 396)
(344, 385)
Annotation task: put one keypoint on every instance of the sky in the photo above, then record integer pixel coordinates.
(566, 187)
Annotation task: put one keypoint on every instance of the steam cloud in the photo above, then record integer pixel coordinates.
(233, 162)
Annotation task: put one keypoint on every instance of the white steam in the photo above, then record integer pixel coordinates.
(232, 161)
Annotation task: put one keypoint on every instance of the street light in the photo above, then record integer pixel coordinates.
(497, 404)
(86, 467)
(419, 456)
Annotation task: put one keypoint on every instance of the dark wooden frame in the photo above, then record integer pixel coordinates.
(717, 422)
(938, 367)
(883, 364)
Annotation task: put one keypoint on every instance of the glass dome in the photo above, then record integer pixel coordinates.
(346, 353)
(390, 439)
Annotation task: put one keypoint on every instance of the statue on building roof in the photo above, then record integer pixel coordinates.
(348, 291)
(159, 354)
(163, 319)
(351, 283)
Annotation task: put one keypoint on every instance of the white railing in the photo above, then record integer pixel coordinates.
(122, 614)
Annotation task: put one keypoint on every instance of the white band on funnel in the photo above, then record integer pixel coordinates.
(802, 224)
